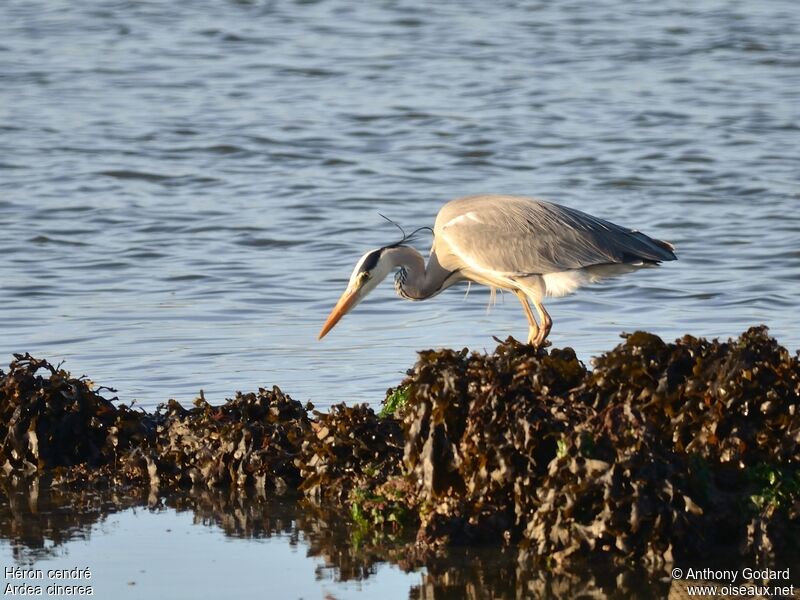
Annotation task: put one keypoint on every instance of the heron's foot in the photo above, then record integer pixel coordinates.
(540, 341)
(538, 345)
(509, 340)
(541, 345)
(537, 340)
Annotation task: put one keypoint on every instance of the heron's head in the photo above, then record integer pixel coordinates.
(370, 270)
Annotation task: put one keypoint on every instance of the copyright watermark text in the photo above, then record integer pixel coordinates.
(735, 582)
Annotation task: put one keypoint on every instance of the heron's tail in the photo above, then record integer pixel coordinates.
(649, 250)
(666, 246)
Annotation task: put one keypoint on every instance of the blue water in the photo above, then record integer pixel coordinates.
(186, 186)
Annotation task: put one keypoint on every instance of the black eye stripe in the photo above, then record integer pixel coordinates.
(371, 260)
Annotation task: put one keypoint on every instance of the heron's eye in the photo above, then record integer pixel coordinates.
(363, 276)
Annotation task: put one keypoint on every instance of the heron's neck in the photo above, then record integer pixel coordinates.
(414, 281)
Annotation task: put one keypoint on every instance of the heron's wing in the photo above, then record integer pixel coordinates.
(524, 236)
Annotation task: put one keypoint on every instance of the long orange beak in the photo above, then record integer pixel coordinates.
(342, 307)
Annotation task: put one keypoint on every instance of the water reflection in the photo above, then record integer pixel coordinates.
(39, 521)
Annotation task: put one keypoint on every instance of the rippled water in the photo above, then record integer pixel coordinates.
(185, 186)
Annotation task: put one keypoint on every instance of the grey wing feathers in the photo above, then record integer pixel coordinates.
(522, 235)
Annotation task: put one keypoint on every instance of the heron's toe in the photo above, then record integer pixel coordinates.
(541, 341)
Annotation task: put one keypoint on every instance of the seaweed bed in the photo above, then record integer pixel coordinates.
(662, 453)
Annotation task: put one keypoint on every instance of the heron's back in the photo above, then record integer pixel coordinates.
(520, 235)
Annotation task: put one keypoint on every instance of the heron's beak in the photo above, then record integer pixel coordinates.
(349, 299)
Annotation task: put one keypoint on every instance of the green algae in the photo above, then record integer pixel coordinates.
(396, 399)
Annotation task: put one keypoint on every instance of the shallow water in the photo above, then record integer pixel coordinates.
(185, 186)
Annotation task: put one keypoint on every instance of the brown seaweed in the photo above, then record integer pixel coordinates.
(660, 453)
(349, 448)
(61, 421)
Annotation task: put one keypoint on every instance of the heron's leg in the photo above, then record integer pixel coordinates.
(533, 332)
(547, 323)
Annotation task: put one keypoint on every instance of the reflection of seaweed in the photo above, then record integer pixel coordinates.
(38, 525)
(478, 573)
(38, 519)
(239, 514)
(662, 453)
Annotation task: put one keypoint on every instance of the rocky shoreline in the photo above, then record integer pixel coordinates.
(661, 454)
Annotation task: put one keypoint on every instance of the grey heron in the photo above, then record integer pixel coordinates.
(528, 246)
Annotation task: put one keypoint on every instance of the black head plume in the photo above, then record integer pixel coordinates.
(406, 237)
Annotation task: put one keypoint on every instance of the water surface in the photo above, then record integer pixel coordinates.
(185, 186)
